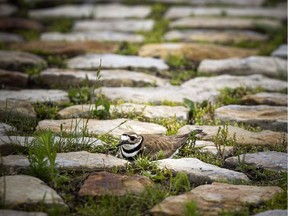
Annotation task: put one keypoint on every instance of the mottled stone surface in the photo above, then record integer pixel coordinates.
(13, 78)
(36, 95)
(12, 23)
(228, 81)
(17, 108)
(216, 198)
(5, 127)
(103, 36)
(10, 37)
(243, 137)
(193, 52)
(65, 78)
(267, 117)
(69, 49)
(7, 10)
(25, 190)
(218, 36)
(269, 160)
(281, 51)
(118, 11)
(177, 12)
(223, 23)
(269, 66)
(14, 60)
(266, 98)
(207, 2)
(90, 61)
(8, 212)
(114, 127)
(105, 183)
(199, 172)
(210, 147)
(81, 160)
(77, 111)
(125, 25)
(276, 212)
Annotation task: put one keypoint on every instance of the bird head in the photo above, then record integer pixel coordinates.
(130, 138)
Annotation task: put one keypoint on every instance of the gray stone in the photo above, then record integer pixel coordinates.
(243, 137)
(281, 51)
(25, 190)
(158, 95)
(5, 127)
(13, 78)
(269, 66)
(90, 61)
(207, 2)
(216, 198)
(118, 11)
(223, 23)
(276, 212)
(7, 10)
(8, 212)
(36, 95)
(93, 36)
(15, 60)
(210, 147)
(81, 160)
(267, 117)
(270, 160)
(228, 81)
(17, 108)
(72, 11)
(10, 37)
(219, 36)
(77, 111)
(199, 172)
(177, 12)
(266, 98)
(125, 25)
(114, 127)
(65, 78)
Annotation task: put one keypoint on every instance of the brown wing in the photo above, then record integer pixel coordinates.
(153, 144)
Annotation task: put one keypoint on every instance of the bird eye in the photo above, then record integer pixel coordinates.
(132, 138)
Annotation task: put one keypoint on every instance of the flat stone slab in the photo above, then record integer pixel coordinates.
(269, 66)
(281, 51)
(8, 212)
(10, 37)
(228, 81)
(158, 95)
(14, 23)
(69, 49)
(277, 212)
(114, 127)
(81, 160)
(92, 61)
(267, 117)
(5, 127)
(269, 160)
(199, 172)
(150, 112)
(216, 198)
(72, 11)
(266, 98)
(210, 147)
(119, 11)
(125, 25)
(103, 36)
(111, 184)
(206, 35)
(27, 190)
(65, 78)
(207, 2)
(7, 10)
(223, 23)
(193, 52)
(36, 95)
(178, 12)
(15, 60)
(7, 143)
(17, 108)
(13, 78)
(243, 137)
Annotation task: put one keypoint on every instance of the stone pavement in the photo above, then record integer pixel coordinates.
(50, 58)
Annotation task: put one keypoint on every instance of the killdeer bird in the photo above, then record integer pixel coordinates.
(132, 144)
